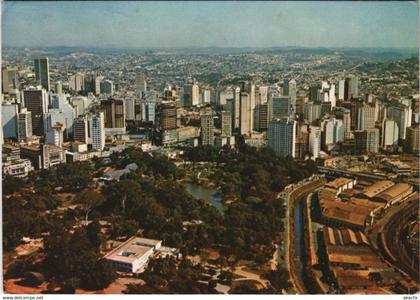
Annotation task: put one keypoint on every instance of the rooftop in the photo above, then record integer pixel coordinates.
(134, 248)
(377, 187)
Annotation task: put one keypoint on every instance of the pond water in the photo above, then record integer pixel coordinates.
(212, 196)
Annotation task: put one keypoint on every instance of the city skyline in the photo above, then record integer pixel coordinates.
(211, 24)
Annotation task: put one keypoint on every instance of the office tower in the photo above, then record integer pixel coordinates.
(246, 116)
(280, 106)
(226, 117)
(114, 111)
(332, 131)
(400, 114)
(344, 114)
(413, 139)
(282, 136)
(311, 111)
(107, 87)
(301, 99)
(341, 85)
(9, 119)
(168, 116)
(61, 111)
(205, 96)
(54, 136)
(207, 130)
(331, 96)
(223, 96)
(313, 93)
(347, 89)
(24, 124)
(98, 131)
(42, 72)
(262, 110)
(354, 86)
(302, 140)
(130, 109)
(365, 117)
(252, 103)
(58, 87)
(36, 101)
(141, 85)
(366, 141)
(4, 80)
(77, 82)
(314, 141)
(148, 111)
(389, 133)
(191, 95)
(236, 113)
(81, 129)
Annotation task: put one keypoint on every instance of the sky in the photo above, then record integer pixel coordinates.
(210, 24)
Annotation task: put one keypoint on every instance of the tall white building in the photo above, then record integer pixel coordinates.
(341, 85)
(54, 135)
(402, 115)
(282, 137)
(333, 131)
(389, 133)
(236, 107)
(24, 124)
(98, 131)
(314, 141)
(245, 114)
(130, 109)
(366, 117)
(311, 111)
(77, 82)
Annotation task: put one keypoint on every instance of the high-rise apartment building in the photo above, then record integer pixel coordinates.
(168, 116)
(141, 84)
(114, 111)
(77, 82)
(246, 115)
(389, 133)
(366, 117)
(413, 139)
(366, 141)
(282, 136)
(24, 124)
(81, 129)
(314, 141)
(98, 131)
(207, 129)
(4, 80)
(226, 129)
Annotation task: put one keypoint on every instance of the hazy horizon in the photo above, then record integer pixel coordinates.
(180, 25)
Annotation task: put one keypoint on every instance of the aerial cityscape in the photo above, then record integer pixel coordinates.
(140, 159)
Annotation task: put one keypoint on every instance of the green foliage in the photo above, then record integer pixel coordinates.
(12, 184)
(279, 278)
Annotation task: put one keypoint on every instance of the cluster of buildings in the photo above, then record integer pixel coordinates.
(346, 207)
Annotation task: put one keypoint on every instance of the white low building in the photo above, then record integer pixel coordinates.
(133, 254)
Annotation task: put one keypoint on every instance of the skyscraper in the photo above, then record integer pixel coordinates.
(413, 139)
(314, 141)
(167, 116)
(282, 136)
(77, 82)
(9, 119)
(191, 95)
(366, 141)
(341, 85)
(389, 133)
(280, 106)
(114, 111)
(42, 72)
(36, 101)
(129, 109)
(365, 117)
(245, 116)
(400, 113)
(290, 89)
(81, 129)
(226, 117)
(107, 87)
(207, 129)
(24, 124)
(236, 113)
(98, 131)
